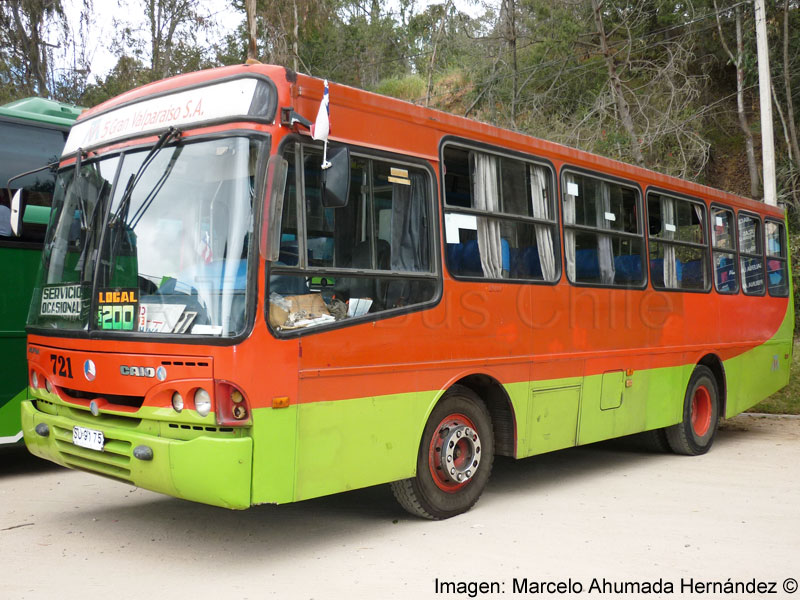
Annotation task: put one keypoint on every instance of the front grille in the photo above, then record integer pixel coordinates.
(131, 401)
(113, 461)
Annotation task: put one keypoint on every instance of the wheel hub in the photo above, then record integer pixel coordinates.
(701, 411)
(455, 453)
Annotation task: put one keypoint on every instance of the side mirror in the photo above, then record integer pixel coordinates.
(336, 179)
(17, 209)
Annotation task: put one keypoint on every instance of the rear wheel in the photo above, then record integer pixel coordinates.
(454, 460)
(701, 408)
(654, 440)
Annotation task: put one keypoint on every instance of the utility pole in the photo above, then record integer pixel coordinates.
(765, 95)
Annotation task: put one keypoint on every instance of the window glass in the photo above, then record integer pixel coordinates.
(752, 274)
(678, 255)
(166, 253)
(602, 204)
(689, 266)
(749, 229)
(722, 234)
(504, 237)
(612, 254)
(726, 277)
(725, 274)
(774, 236)
(385, 226)
(515, 188)
(28, 147)
(751, 260)
(777, 268)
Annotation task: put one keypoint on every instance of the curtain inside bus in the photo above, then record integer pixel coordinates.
(544, 234)
(487, 195)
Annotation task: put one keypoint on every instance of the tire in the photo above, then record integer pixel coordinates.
(694, 435)
(654, 440)
(462, 422)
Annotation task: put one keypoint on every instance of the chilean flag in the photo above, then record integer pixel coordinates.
(322, 127)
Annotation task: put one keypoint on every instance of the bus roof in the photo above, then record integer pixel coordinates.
(42, 110)
(307, 93)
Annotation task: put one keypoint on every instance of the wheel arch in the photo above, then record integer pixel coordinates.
(713, 362)
(494, 396)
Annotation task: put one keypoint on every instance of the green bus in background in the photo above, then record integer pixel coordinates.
(32, 134)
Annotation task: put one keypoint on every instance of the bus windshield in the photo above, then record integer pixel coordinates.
(151, 242)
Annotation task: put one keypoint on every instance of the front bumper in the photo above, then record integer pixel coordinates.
(205, 469)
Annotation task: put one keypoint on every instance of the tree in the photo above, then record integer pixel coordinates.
(738, 60)
(25, 53)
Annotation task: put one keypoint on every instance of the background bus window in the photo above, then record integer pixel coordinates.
(30, 147)
(603, 242)
(678, 244)
(777, 268)
(372, 255)
(751, 259)
(723, 243)
(506, 226)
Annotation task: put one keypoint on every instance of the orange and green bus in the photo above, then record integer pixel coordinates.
(32, 134)
(232, 311)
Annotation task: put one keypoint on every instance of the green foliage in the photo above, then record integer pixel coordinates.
(409, 87)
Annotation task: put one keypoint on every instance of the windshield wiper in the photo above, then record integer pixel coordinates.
(133, 180)
(121, 214)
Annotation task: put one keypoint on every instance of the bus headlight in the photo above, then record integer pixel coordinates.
(202, 402)
(177, 402)
(34, 380)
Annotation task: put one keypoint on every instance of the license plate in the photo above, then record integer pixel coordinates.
(88, 438)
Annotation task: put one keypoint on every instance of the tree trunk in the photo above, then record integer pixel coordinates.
(738, 61)
(252, 46)
(616, 87)
(32, 46)
(787, 82)
(432, 62)
(295, 36)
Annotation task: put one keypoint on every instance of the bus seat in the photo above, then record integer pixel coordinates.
(465, 259)
(628, 268)
(525, 263)
(690, 274)
(587, 267)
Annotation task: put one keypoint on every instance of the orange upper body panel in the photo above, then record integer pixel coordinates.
(515, 332)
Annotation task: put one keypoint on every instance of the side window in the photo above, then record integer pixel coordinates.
(723, 244)
(500, 219)
(777, 271)
(603, 241)
(372, 255)
(751, 258)
(678, 244)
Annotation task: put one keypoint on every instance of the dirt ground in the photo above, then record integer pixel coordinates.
(608, 513)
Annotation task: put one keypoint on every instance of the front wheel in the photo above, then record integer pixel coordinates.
(454, 460)
(701, 407)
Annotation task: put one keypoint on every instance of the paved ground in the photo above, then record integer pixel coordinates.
(606, 511)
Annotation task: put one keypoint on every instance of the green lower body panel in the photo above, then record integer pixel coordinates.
(10, 424)
(351, 444)
(202, 469)
(757, 374)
